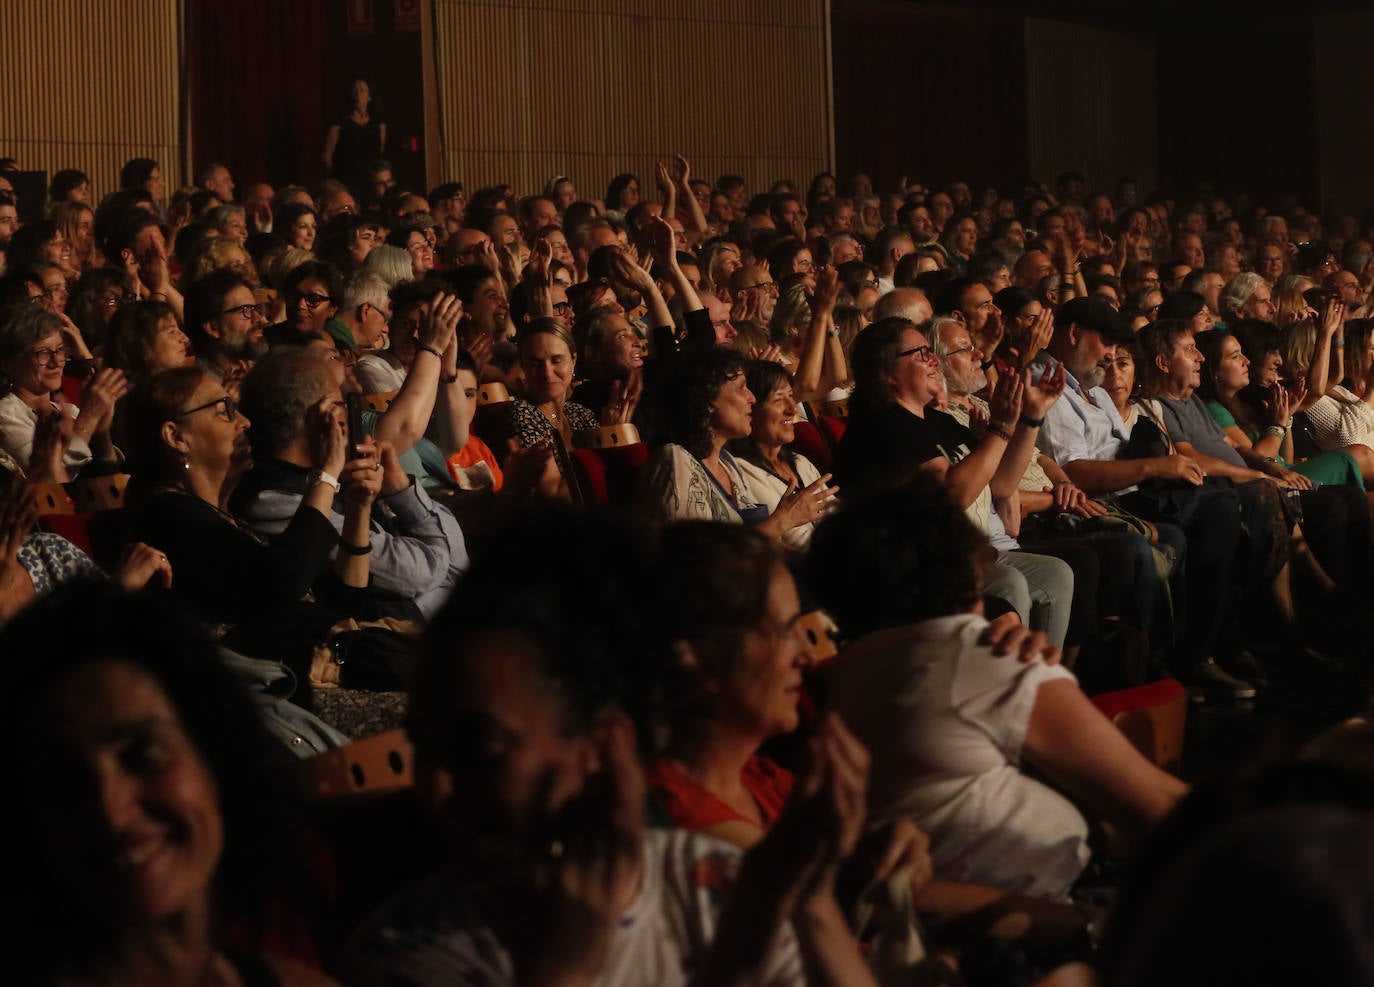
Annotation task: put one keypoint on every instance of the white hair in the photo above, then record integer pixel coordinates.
(1236, 292)
(391, 264)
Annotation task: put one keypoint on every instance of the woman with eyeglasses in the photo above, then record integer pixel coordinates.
(95, 298)
(33, 353)
(270, 599)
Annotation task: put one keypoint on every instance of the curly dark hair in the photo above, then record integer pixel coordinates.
(688, 394)
(713, 586)
(99, 623)
(132, 335)
(580, 608)
(895, 557)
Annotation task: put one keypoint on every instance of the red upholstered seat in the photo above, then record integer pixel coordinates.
(811, 445)
(1152, 717)
(832, 429)
(609, 475)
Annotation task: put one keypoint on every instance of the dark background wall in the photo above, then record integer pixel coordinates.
(266, 76)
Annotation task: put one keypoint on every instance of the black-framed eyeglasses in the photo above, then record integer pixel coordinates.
(46, 357)
(123, 298)
(314, 299)
(247, 311)
(961, 349)
(562, 308)
(764, 287)
(226, 407)
(923, 353)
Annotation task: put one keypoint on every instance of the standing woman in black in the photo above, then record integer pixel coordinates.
(356, 137)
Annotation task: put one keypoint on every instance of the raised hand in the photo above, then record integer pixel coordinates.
(772, 353)
(827, 290)
(807, 505)
(361, 477)
(52, 437)
(1040, 397)
(1004, 408)
(328, 433)
(444, 315)
(624, 399)
(661, 244)
(682, 171)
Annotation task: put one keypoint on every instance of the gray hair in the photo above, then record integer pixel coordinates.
(218, 217)
(901, 303)
(282, 386)
(937, 342)
(1236, 292)
(391, 264)
(365, 286)
(26, 328)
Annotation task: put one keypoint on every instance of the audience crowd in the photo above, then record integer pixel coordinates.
(1007, 449)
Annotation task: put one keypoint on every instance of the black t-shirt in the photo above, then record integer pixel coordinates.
(885, 446)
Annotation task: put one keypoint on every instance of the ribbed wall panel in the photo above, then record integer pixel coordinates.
(1091, 103)
(591, 88)
(90, 84)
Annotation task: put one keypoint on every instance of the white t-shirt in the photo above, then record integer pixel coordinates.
(768, 490)
(944, 720)
(429, 936)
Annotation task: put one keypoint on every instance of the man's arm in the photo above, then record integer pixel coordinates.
(1103, 476)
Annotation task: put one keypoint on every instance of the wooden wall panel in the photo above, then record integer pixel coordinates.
(90, 84)
(930, 91)
(1090, 101)
(590, 88)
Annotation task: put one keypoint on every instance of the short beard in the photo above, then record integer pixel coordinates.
(971, 383)
(1092, 377)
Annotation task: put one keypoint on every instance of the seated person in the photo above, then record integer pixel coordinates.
(145, 338)
(527, 762)
(417, 547)
(188, 451)
(32, 355)
(730, 611)
(702, 405)
(1085, 433)
(947, 724)
(893, 433)
(138, 702)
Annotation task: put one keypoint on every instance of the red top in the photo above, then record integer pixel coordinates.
(691, 807)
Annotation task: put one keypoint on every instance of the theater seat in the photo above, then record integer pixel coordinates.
(99, 493)
(52, 498)
(811, 445)
(379, 402)
(73, 527)
(610, 474)
(832, 430)
(375, 765)
(1152, 717)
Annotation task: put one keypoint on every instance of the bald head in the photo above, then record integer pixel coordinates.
(904, 303)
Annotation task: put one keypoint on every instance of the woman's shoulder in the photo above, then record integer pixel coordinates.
(580, 416)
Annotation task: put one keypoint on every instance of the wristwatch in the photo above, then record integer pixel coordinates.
(320, 476)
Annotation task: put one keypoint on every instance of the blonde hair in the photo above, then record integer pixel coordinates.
(1297, 346)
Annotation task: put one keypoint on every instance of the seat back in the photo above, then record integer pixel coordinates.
(99, 493)
(492, 392)
(490, 424)
(379, 402)
(811, 445)
(609, 475)
(73, 527)
(52, 498)
(371, 766)
(606, 437)
(820, 634)
(1152, 717)
(832, 430)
